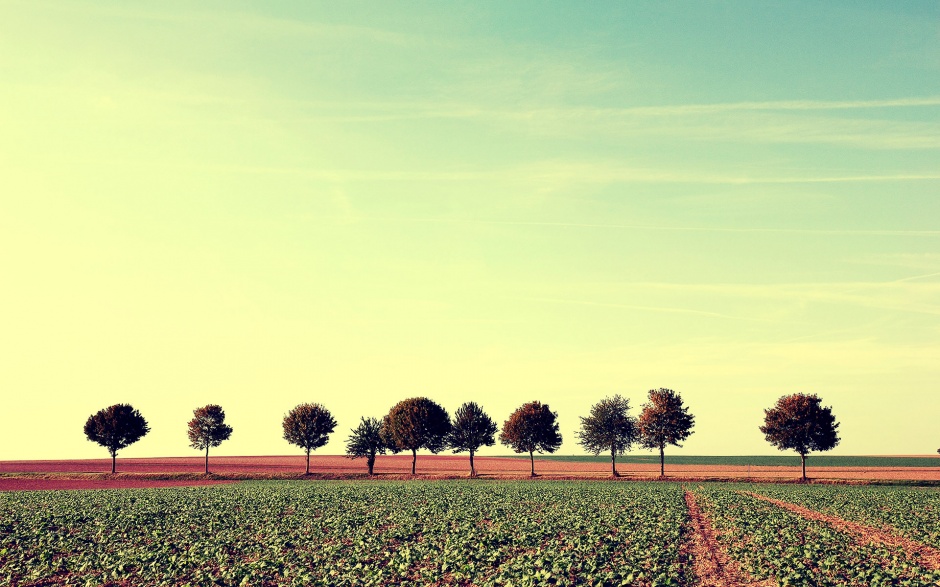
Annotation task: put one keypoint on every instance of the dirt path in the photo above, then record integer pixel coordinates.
(924, 555)
(712, 566)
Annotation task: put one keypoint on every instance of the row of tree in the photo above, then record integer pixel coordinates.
(796, 422)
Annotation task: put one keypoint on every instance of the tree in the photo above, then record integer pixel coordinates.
(416, 423)
(308, 426)
(366, 442)
(532, 428)
(208, 428)
(116, 427)
(610, 427)
(664, 420)
(799, 422)
(471, 429)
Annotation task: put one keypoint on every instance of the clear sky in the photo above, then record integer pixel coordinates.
(355, 203)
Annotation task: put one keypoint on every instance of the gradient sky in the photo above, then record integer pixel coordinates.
(354, 203)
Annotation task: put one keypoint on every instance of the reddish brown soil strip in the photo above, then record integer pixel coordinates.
(712, 566)
(27, 484)
(924, 555)
(448, 466)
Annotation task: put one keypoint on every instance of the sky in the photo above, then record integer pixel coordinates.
(265, 204)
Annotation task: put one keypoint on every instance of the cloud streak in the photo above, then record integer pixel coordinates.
(558, 173)
(661, 309)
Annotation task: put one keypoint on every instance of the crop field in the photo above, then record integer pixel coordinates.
(471, 533)
(771, 543)
(914, 514)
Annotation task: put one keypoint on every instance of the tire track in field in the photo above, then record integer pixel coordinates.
(711, 564)
(927, 556)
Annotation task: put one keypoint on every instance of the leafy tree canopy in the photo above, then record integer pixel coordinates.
(665, 420)
(416, 423)
(609, 427)
(471, 429)
(116, 427)
(208, 427)
(799, 422)
(366, 441)
(308, 426)
(532, 428)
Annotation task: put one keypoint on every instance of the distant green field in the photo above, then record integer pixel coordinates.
(757, 461)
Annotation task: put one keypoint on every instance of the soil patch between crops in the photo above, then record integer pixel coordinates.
(711, 564)
(441, 467)
(924, 555)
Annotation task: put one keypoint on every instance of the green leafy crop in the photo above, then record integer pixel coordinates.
(334, 533)
(770, 542)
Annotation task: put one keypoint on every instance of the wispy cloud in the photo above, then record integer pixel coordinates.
(459, 109)
(558, 173)
(907, 295)
(782, 105)
(647, 227)
(642, 308)
(925, 261)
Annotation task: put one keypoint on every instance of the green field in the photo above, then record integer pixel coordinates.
(772, 543)
(756, 461)
(445, 533)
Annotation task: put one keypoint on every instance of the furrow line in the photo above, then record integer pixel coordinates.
(712, 565)
(924, 555)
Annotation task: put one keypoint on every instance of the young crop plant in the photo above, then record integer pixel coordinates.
(773, 544)
(610, 427)
(308, 426)
(532, 428)
(910, 512)
(471, 429)
(800, 422)
(116, 427)
(344, 534)
(208, 428)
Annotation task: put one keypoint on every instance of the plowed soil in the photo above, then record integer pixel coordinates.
(190, 470)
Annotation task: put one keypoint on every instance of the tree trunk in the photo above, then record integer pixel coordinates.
(207, 459)
(532, 460)
(414, 460)
(613, 463)
(662, 460)
(307, 472)
(371, 462)
(803, 462)
(473, 472)
(113, 459)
